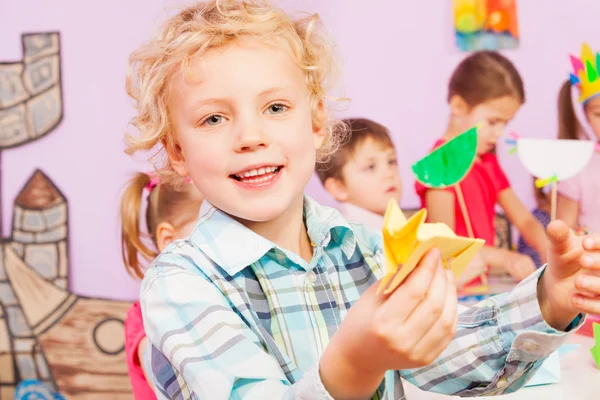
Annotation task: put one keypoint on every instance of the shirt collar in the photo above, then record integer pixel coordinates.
(216, 231)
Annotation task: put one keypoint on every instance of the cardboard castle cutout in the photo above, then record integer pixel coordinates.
(53, 343)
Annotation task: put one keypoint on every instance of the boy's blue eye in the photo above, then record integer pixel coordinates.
(393, 162)
(214, 120)
(370, 167)
(276, 108)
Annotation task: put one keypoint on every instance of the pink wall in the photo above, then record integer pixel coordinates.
(397, 56)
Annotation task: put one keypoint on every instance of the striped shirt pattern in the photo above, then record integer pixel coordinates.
(230, 315)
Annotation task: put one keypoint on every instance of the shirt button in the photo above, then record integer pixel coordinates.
(530, 346)
(311, 276)
(502, 383)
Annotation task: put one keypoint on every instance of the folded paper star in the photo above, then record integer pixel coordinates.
(406, 242)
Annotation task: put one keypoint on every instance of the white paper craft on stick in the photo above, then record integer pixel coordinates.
(553, 160)
(560, 158)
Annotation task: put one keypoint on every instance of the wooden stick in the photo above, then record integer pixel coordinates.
(463, 208)
(553, 200)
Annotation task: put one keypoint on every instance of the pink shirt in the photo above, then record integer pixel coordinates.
(585, 189)
(134, 333)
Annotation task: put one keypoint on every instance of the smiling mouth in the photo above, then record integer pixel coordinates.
(257, 175)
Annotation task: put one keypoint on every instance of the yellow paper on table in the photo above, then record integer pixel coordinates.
(405, 242)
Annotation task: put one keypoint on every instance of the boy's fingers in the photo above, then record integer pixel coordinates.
(443, 330)
(427, 312)
(587, 305)
(559, 236)
(592, 242)
(414, 289)
(588, 284)
(590, 261)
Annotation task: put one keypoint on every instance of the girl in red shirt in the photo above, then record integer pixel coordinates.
(485, 89)
(170, 213)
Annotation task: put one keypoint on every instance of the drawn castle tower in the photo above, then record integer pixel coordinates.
(70, 343)
(30, 276)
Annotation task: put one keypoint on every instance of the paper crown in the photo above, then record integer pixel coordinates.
(585, 73)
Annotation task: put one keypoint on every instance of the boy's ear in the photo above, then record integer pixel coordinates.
(337, 189)
(176, 158)
(319, 133)
(165, 234)
(458, 106)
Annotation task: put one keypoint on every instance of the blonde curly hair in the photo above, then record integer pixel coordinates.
(205, 26)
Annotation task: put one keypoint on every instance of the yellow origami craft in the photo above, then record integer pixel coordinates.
(405, 242)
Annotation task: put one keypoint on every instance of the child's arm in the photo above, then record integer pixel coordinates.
(567, 210)
(218, 356)
(519, 266)
(500, 343)
(141, 350)
(528, 226)
(528, 323)
(440, 207)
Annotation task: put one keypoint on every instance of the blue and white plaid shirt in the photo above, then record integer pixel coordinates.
(233, 316)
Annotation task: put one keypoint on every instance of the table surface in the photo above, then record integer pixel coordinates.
(580, 379)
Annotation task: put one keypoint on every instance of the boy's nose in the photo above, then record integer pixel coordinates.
(251, 137)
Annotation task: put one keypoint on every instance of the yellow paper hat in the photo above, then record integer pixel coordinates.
(585, 73)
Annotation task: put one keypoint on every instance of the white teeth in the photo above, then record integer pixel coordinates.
(257, 172)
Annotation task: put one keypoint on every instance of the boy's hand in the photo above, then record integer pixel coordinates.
(519, 266)
(408, 328)
(571, 282)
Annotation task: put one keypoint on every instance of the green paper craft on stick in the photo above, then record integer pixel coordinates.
(448, 164)
(596, 349)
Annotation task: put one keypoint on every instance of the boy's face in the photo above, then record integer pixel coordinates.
(371, 177)
(592, 113)
(244, 128)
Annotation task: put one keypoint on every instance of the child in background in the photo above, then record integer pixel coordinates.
(274, 296)
(542, 214)
(362, 175)
(578, 202)
(170, 214)
(485, 89)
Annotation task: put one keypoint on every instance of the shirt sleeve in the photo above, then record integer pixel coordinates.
(499, 179)
(500, 344)
(204, 348)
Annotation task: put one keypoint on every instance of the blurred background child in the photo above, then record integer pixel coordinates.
(363, 174)
(579, 197)
(170, 214)
(485, 89)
